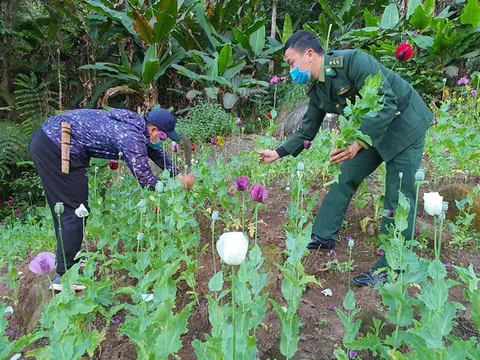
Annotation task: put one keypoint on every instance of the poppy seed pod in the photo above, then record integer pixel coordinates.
(215, 215)
(59, 208)
(420, 175)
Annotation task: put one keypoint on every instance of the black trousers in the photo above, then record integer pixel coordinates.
(71, 189)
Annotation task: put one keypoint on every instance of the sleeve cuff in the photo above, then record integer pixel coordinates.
(282, 152)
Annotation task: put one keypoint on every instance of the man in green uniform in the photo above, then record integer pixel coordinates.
(397, 133)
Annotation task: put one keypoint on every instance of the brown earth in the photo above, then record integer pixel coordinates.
(322, 331)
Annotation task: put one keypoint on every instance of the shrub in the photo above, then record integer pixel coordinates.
(205, 121)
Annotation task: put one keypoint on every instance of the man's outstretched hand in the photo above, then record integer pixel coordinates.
(267, 156)
(186, 181)
(340, 155)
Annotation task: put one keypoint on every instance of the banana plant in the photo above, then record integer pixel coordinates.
(152, 30)
(219, 76)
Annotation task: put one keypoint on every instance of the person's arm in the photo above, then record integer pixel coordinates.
(161, 158)
(360, 66)
(312, 120)
(136, 148)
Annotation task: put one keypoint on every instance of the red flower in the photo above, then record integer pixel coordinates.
(113, 164)
(11, 202)
(193, 147)
(404, 52)
(155, 209)
(269, 115)
(17, 212)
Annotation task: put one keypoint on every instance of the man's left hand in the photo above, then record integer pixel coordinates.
(340, 155)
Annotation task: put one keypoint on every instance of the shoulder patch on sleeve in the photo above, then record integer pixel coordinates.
(336, 62)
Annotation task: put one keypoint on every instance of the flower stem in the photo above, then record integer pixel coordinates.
(275, 98)
(83, 232)
(243, 211)
(61, 243)
(213, 252)
(233, 311)
(414, 216)
(435, 236)
(440, 237)
(256, 223)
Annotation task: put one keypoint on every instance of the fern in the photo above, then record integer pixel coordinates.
(34, 103)
(13, 147)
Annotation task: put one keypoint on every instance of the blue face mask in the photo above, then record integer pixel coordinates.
(299, 76)
(156, 145)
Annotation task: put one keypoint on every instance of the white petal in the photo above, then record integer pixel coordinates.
(16, 357)
(232, 247)
(8, 310)
(327, 292)
(147, 297)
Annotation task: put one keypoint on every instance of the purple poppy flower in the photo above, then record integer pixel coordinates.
(117, 319)
(174, 147)
(474, 93)
(380, 252)
(2, 223)
(239, 121)
(213, 141)
(307, 144)
(17, 212)
(43, 263)
(241, 184)
(348, 238)
(333, 254)
(448, 265)
(258, 193)
(274, 80)
(11, 202)
(352, 354)
(390, 213)
(162, 136)
(330, 307)
(463, 81)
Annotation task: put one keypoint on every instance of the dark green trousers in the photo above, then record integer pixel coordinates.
(335, 204)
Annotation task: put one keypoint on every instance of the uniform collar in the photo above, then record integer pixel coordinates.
(321, 74)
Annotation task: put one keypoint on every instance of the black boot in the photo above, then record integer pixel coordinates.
(318, 243)
(371, 277)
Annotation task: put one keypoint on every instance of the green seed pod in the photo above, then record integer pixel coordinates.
(59, 208)
(420, 175)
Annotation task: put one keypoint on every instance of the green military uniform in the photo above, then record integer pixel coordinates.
(397, 134)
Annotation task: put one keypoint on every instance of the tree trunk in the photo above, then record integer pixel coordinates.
(6, 10)
(271, 65)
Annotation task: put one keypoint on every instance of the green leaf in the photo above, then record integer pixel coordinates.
(423, 41)
(390, 17)
(213, 68)
(349, 301)
(329, 11)
(169, 342)
(233, 70)
(216, 282)
(420, 19)
(142, 27)
(229, 101)
(225, 58)
(340, 354)
(166, 19)
(370, 19)
(113, 14)
(257, 41)
(287, 28)
(151, 65)
(429, 6)
(471, 13)
(475, 299)
(212, 92)
(241, 38)
(412, 5)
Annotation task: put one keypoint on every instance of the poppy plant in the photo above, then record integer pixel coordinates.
(259, 193)
(404, 52)
(43, 263)
(241, 183)
(113, 164)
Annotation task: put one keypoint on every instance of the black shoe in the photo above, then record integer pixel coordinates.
(318, 243)
(371, 277)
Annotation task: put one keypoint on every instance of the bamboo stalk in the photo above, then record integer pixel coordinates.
(66, 133)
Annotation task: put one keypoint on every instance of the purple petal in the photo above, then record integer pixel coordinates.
(43, 263)
(330, 307)
(333, 254)
(117, 319)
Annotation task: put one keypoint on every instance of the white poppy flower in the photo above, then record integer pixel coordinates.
(81, 211)
(232, 247)
(433, 203)
(327, 292)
